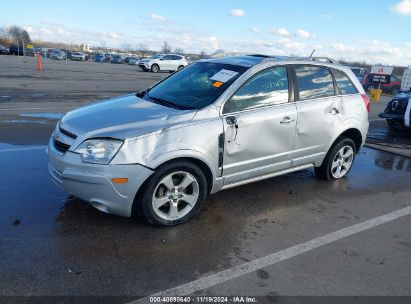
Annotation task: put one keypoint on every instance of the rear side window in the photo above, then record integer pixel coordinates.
(267, 87)
(344, 83)
(314, 82)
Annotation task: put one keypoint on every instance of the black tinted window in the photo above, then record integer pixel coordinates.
(168, 57)
(175, 57)
(344, 83)
(265, 88)
(314, 82)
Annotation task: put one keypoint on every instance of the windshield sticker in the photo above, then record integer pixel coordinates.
(223, 75)
(218, 84)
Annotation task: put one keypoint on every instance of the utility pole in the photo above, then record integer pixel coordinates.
(24, 51)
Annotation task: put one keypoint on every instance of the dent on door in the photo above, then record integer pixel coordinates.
(259, 144)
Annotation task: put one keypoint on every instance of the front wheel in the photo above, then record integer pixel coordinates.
(155, 68)
(172, 195)
(338, 161)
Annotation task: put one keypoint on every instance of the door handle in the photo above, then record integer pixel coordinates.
(286, 120)
(334, 111)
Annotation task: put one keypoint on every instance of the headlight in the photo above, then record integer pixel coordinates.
(98, 151)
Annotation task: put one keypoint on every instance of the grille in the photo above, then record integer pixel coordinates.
(67, 133)
(62, 147)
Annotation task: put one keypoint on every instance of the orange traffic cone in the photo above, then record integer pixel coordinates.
(39, 65)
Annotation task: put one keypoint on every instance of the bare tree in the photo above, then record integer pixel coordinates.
(5, 37)
(166, 48)
(179, 51)
(143, 49)
(127, 47)
(219, 51)
(19, 34)
(203, 55)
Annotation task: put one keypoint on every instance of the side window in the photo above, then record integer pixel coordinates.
(267, 87)
(167, 57)
(175, 57)
(344, 83)
(394, 79)
(314, 82)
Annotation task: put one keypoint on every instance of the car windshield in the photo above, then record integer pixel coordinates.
(156, 56)
(196, 86)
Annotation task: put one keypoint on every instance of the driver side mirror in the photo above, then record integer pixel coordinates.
(161, 59)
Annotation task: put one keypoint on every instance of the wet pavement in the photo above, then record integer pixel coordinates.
(52, 244)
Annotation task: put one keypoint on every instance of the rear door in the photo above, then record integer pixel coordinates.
(318, 106)
(176, 62)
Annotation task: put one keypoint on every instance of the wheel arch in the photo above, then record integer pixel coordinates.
(204, 167)
(354, 134)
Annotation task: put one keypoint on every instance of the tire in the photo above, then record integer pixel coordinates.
(180, 67)
(394, 125)
(167, 205)
(335, 164)
(155, 68)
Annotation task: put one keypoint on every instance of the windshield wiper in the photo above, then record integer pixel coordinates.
(169, 103)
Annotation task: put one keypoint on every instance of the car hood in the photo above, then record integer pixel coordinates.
(123, 117)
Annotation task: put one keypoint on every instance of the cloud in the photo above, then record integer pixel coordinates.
(237, 12)
(46, 31)
(303, 34)
(281, 32)
(29, 29)
(255, 29)
(326, 16)
(158, 17)
(402, 8)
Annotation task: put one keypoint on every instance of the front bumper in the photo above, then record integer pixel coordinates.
(93, 182)
(391, 116)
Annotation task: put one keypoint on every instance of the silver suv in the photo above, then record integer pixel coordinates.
(163, 62)
(217, 124)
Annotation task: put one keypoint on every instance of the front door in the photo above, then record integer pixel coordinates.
(259, 123)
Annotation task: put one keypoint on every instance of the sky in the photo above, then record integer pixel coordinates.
(362, 30)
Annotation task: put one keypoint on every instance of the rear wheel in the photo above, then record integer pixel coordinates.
(173, 194)
(155, 68)
(338, 161)
(180, 67)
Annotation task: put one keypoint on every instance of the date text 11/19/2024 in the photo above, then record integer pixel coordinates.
(203, 299)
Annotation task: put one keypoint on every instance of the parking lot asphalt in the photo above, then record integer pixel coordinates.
(52, 244)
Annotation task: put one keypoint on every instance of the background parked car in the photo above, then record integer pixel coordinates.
(397, 113)
(359, 72)
(4, 50)
(134, 60)
(117, 59)
(58, 55)
(14, 50)
(390, 88)
(78, 56)
(163, 62)
(99, 57)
